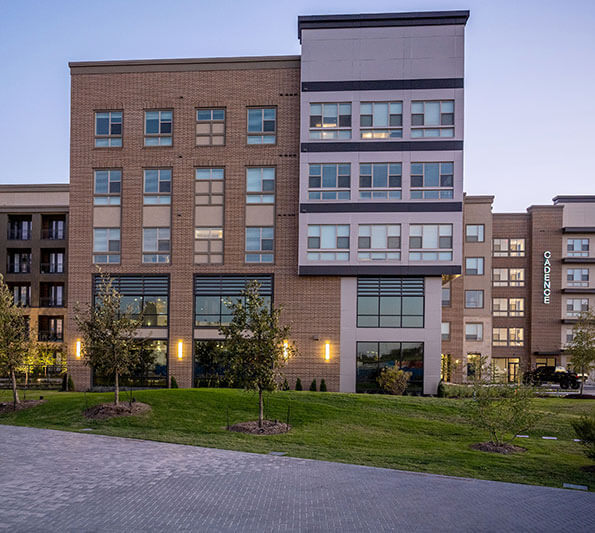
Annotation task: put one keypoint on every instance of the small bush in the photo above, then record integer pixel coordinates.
(174, 383)
(448, 390)
(585, 430)
(393, 380)
(285, 385)
(313, 386)
(298, 384)
(70, 384)
(322, 385)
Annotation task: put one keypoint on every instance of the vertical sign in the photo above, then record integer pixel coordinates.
(547, 284)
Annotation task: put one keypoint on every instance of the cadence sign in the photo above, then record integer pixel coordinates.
(547, 267)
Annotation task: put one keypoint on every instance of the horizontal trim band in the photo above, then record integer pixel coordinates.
(381, 207)
(578, 260)
(556, 352)
(382, 146)
(365, 270)
(578, 290)
(383, 85)
(584, 229)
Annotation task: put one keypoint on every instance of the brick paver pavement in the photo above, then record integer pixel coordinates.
(58, 481)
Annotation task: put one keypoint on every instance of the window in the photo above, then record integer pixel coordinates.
(445, 331)
(21, 294)
(576, 306)
(51, 329)
(259, 245)
(500, 306)
(51, 295)
(329, 181)
(578, 247)
(516, 307)
(390, 302)
(212, 294)
(473, 331)
(209, 186)
(432, 181)
(260, 185)
(446, 296)
(108, 187)
(330, 121)
(18, 260)
(157, 186)
(210, 127)
(52, 261)
(19, 227)
(578, 277)
(108, 129)
(380, 181)
(517, 247)
(517, 277)
(509, 247)
(569, 336)
(500, 247)
(508, 336)
(106, 245)
(516, 336)
(381, 120)
(376, 242)
(545, 361)
(328, 242)
(474, 233)
(208, 245)
(158, 128)
(262, 125)
(156, 245)
(499, 337)
(503, 277)
(433, 119)
(474, 266)
(433, 237)
(53, 227)
(474, 299)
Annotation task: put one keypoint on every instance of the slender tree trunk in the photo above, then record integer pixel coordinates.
(15, 393)
(117, 391)
(26, 375)
(260, 408)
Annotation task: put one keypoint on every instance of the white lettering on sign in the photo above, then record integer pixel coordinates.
(547, 284)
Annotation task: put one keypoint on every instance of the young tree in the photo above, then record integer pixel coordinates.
(110, 345)
(582, 346)
(255, 345)
(15, 341)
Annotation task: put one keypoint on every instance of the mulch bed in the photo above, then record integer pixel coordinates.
(269, 427)
(8, 407)
(506, 449)
(580, 397)
(109, 410)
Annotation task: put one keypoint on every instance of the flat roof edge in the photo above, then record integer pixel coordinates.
(574, 198)
(34, 187)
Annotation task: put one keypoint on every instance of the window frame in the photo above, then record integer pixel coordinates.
(340, 132)
(480, 270)
(390, 253)
(159, 135)
(337, 253)
(424, 129)
(212, 122)
(160, 197)
(480, 291)
(160, 256)
(107, 253)
(262, 253)
(261, 196)
(431, 192)
(326, 193)
(262, 133)
(111, 198)
(427, 254)
(467, 235)
(387, 192)
(384, 132)
(109, 137)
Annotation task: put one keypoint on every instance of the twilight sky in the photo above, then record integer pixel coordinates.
(530, 77)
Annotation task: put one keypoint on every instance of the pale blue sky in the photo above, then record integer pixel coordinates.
(530, 77)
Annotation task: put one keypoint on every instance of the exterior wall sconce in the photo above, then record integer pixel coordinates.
(327, 351)
(286, 349)
(78, 348)
(180, 349)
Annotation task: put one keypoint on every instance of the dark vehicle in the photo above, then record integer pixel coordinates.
(552, 374)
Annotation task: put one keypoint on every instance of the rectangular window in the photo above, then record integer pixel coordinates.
(445, 331)
(474, 331)
(517, 247)
(390, 302)
(18, 260)
(208, 245)
(19, 227)
(209, 186)
(53, 227)
(432, 181)
(517, 277)
(380, 181)
(516, 307)
(435, 241)
(474, 266)
(210, 127)
(157, 186)
(330, 121)
(577, 277)
(51, 295)
(52, 261)
(108, 187)
(328, 242)
(446, 296)
(433, 119)
(106, 245)
(576, 306)
(329, 181)
(474, 233)
(51, 329)
(21, 294)
(500, 306)
(108, 129)
(578, 248)
(158, 128)
(474, 299)
(569, 336)
(379, 242)
(516, 336)
(262, 125)
(499, 337)
(500, 247)
(381, 120)
(260, 245)
(260, 185)
(156, 245)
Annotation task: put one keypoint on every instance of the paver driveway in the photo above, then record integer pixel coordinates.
(58, 481)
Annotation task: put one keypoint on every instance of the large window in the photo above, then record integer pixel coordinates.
(208, 245)
(329, 181)
(262, 125)
(214, 293)
(52, 261)
(474, 299)
(432, 181)
(108, 129)
(19, 227)
(576, 306)
(446, 296)
(379, 242)
(474, 233)
(330, 121)
(51, 328)
(509, 247)
(157, 186)
(21, 294)
(18, 260)
(106, 245)
(474, 331)
(51, 294)
(577, 277)
(504, 277)
(260, 185)
(209, 186)
(380, 181)
(474, 266)
(108, 187)
(158, 128)
(430, 242)
(372, 357)
(156, 245)
(381, 120)
(433, 119)
(390, 302)
(210, 127)
(578, 247)
(508, 336)
(445, 331)
(328, 242)
(260, 245)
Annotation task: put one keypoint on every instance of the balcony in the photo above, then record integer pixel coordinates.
(18, 262)
(50, 336)
(19, 228)
(49, 301)
(52, 268)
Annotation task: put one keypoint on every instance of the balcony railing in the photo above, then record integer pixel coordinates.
(21, 268)
(53, 234)
(19, 234)
(50, 336)
(48, 301)
(52, 268)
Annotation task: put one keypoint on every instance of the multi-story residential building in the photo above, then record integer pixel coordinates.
(33, 252)
(334, 178)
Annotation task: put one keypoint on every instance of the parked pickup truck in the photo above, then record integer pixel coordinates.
(552, 374)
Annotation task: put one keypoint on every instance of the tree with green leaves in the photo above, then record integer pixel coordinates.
(582, 345)
(109, 334)
(256, 343)
(15, 341)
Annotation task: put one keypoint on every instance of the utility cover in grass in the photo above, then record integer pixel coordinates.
(269, 427)
(110, 410)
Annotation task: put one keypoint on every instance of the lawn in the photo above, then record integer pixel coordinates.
(407, 433)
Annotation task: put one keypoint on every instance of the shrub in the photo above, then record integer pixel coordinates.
(393, 380)
(174, 383)
(585, 430)
(322, 385)
(285, 385)
(313, 386)
(67, 383)
(70, 383)
(298, 384)
(448, 390)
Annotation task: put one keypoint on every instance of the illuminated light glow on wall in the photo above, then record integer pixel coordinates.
(78, 348)
(180, 349)
(327, 351)
(286, 349)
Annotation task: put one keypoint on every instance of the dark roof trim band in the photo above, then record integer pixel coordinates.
(383, 85)
(381, 207)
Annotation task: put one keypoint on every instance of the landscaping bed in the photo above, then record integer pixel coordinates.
(9, 407)
(104, 411)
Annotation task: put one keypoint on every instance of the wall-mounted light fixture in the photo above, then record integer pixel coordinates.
(327, 351)
(180, 349)
(78, 348)
(286, 349)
